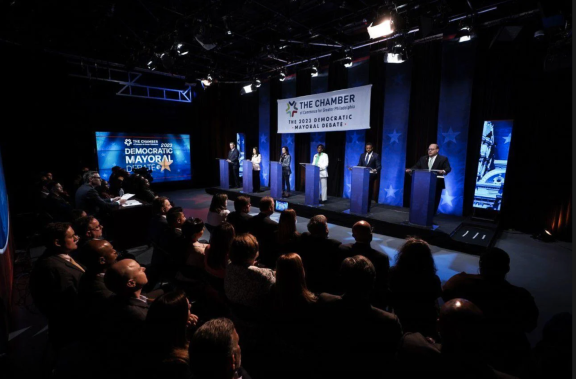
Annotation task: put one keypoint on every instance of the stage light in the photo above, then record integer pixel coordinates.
(151, 65)
(348, 62)
(282, 76)
(181, 50)
(465, 34)
(251, 87)
(208, 81)
(544, 235)
(397, 54)
(314, 69)
(386, 27)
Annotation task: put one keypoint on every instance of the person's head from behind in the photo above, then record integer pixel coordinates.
(318, 226)
(220, 241)
(415, 256)
(362, 232)
(244, 249)
(266, 205)
(168, 319)
(60, 236)
(88, 228)
(287, 225)
(495, 263)
(219, 203)
(92, 178)
(460, 325)
(126, 278)
(77, 214)
(193, 229)
(242, 204)
(290, 281)
(161, 205)
(175, 217)
(358, 275)
(215, 351)
(98, 256)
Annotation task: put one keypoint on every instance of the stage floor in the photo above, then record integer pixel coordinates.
(385, 219)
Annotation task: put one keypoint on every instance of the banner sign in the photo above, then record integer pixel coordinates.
(336, 111)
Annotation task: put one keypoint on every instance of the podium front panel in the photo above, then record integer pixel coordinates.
(275, 180)
(247, 184)
(359, 190)
(312, 197)
(422, 197)
(224, 173)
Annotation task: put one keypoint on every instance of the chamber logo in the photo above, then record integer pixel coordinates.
(127, 142)
(291, 109)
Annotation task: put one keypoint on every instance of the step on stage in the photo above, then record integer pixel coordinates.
(449, 232)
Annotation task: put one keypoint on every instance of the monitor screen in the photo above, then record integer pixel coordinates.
(167, 156)
(281, 205)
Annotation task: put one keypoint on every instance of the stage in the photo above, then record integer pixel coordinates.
(450, 232)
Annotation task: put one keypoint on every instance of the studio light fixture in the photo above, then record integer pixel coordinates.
(397, 54)
(282, 75)
(384, 28)
(208, 81)
(181, 49)
(251, 87)
(348, 61)
(151, 65)
(544, 235)
(314, 69)
(464, 34)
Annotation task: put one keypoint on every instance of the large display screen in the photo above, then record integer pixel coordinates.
(166, 155)
(496, 137)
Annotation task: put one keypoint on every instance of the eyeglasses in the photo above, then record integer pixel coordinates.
(432, 149)
(97, 227)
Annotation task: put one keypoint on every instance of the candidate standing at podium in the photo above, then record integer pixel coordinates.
(434, 161)
(233, 159)
(371, 160)
(285, 159)
(321, 160)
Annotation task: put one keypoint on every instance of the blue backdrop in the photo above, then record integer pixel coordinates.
(4, 215)
(288, 91)
(135, 150)
(454, 118)
(264, 129)
(358, 75)
(394, 137)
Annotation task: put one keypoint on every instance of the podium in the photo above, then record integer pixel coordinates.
(312, 193)
(275, 180)
(422, 197)
(247, 184)
(359, 199)
(224, 173)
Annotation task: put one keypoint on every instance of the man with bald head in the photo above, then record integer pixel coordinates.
(362, 233)
(461, 328)
(98, 256)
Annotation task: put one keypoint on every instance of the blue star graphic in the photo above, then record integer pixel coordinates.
(394, 137)
(447, 199)
(354, 137)
(450, 136)
(288, 140)
(507, 139)
(391, 192)
(262, 138)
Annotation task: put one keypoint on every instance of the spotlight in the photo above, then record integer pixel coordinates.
(397, 54)
(386, 27)
(256, 84)
(282, 76)
(464, 34)
(206, 82)
(314, 69)
(181, 50)
(151, 65)
(348, 62)
(544, 235)
(250, 87)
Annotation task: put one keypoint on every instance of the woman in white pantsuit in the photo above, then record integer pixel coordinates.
(321, 160)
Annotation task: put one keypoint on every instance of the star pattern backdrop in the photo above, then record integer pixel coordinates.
(288, 91)
(454, 119)
(264, 131)
(358, 75)
(394, 137)
(319, 85)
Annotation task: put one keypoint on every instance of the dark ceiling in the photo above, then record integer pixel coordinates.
(233, 39)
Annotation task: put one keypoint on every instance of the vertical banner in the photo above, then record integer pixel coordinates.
(358, 75)
(288, 91)
(395, 133)
(240, 144)
(319, 85)
(264, 131)
(454, 119)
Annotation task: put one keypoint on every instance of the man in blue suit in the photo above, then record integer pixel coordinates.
(233, 159)
(371, 160)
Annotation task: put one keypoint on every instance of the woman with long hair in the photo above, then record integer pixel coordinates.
(415, 287)
(256, 160)
(285, 160)
(287, 235)
(218, 211)
(217, 252)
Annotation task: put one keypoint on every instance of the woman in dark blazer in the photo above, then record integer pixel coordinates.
(285, 160)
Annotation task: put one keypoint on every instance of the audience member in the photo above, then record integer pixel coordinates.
(58, 204)
(54, 283)
(509, 310)
(264, 229)
(87, 196)
(359, 340)
(217, 254)
(117, 180)
(320, 256)
(160, 207)
(218, 211)
(415, 288)
(362, 233)
(77, 214)
(88, 228)
(240, 217)
(193, 230)
(143, 191)
(104, 190)
(287, 237)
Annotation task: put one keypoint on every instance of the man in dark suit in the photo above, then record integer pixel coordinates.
(360, 337)
(362, 233)
(371, 160)
(264, 229)
(240, 217)
(434, 161)
(160, 207)
(54, 283)
(233, 159)
(87, 196)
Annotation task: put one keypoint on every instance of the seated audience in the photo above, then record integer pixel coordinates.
(169, 324)
(510, 311)
(193, 230)
(240, 217)
(104, 190)
(362, 233)
(143, 191)
(58, 203)
(215, 351)
(320, 256)
(415, 288)
(160, 207)
(54, 283)
(117, 180)
(88, 228)
(77, 214)
(359, 340)
(264, 228)
(217, 254)
(87, 196)
(218, 211)
(287, 237)
(461, 328)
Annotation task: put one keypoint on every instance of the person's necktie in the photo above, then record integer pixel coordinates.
(368, 158)
(429, 163)
(76, 264)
